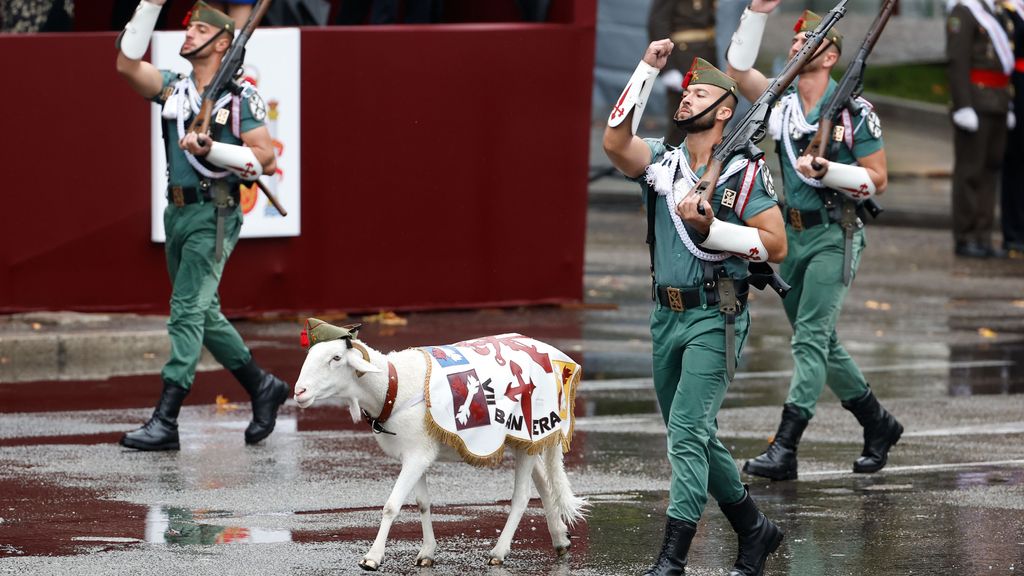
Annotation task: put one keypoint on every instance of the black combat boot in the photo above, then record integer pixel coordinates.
(881, 432)
(778, 462)
(161, 432)
(672, 558)
(757, 535)
(268, 392)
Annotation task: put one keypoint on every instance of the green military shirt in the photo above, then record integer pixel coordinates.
(179, 171)
(867, 139)
(674, 265)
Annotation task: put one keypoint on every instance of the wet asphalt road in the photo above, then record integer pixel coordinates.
(942, 342)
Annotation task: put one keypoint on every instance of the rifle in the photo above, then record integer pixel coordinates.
(850, 87)
(230, 68)
(751, 128)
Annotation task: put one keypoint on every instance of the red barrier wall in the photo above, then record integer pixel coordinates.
(443, 166)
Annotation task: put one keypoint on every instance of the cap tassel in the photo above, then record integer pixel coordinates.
(799, 24)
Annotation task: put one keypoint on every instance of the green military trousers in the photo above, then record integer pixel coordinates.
(196, 319)
(814, 268)
(690, 381)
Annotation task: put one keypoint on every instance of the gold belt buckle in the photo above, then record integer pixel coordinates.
(675, 299)
(177, 196)
(796, 220)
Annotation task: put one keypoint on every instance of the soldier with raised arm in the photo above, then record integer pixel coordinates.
(699, 262)
(824, 228)
(202, 220)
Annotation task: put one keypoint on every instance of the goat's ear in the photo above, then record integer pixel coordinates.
(355, 360)
(353, 410)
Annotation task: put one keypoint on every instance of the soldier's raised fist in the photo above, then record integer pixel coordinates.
(657, 53)
(764, 6)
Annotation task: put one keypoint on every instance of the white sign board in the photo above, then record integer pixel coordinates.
(272, 61)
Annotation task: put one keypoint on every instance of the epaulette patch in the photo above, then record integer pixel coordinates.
(766, 179)
(257, 107)
(874, 125)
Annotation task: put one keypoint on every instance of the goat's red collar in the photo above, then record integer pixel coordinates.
(377, 424)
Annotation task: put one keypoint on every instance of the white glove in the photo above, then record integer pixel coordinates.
(672, 79)
(1011, 120)
(967, 119)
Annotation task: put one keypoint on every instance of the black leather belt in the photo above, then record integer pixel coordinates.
(803, 219)
(682, 299)
(185, 195)
(181, 195)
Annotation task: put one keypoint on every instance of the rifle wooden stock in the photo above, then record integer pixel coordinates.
(230, 65)
(271, 198)
(751, 128)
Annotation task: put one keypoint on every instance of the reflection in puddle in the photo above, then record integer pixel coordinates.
(182, 526)
(1002, 371)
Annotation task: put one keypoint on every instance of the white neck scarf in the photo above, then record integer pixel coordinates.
(662, 179)
(996, 32)
(185, 102)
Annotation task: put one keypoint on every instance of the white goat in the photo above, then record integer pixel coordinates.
(359, 374)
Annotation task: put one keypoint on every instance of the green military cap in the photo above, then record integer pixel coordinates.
(316, 331)
(203, 12)
(702, 72)
(809, 21)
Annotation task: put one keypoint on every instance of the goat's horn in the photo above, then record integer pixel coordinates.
(362, 350)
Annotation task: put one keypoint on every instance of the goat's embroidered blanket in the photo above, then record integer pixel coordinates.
(488, 392)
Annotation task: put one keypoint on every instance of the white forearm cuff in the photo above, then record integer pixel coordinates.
(746, 41)
(240, 160)
(634, 96)
(134, 40)
(853, 181)
(742, 241)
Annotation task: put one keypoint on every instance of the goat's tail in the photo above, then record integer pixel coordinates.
(570, 507)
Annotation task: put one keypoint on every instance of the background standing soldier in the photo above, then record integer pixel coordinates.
(825, 236)
(690, 24)
(203, 187)
(980, 62)
(1012, 213)
(700, 321)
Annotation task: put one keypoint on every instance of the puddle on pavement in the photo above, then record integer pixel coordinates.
(42, 519)
(998, 369)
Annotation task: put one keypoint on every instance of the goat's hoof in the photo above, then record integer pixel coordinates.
(370, 565)
(495, 562)
(562, 550)
(425, 562)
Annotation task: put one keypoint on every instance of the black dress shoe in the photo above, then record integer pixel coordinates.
(994, 252)
(971, 250)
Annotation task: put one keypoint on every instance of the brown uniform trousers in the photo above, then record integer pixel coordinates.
(691, 25)
(973, 65)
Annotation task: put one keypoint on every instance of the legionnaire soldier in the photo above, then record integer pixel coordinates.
(700, 321)
(980, 62)
(1012, 213)
(824, 228)
(202, 220)
(690, 24)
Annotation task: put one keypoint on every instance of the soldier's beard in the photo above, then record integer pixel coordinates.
(697, 123)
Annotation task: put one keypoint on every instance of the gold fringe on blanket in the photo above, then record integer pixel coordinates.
(493, 459)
